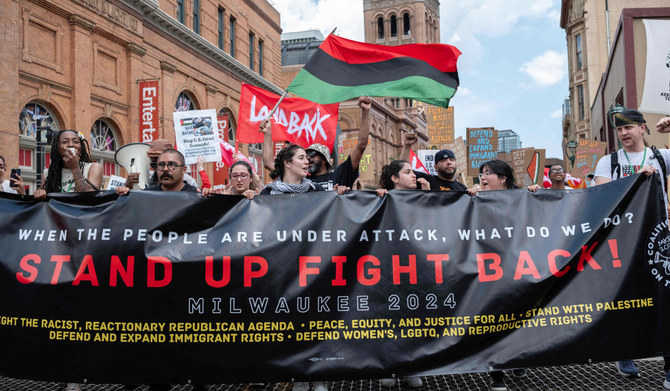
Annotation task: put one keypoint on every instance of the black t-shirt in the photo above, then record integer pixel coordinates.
(343, 175)
(186, 187)
(439, 184)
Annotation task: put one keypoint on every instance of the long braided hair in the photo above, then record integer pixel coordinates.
(53, 181)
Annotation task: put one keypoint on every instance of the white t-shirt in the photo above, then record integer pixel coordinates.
(604, 167)
(6, 188)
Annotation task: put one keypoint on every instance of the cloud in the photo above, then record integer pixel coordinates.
(546, 69)
(324, 15)
(556, 114)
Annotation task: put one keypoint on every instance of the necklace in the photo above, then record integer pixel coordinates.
(644, 157)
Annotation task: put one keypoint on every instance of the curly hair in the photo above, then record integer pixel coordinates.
(285, 155)
(53, 181)
(390, 170)
(246, 165)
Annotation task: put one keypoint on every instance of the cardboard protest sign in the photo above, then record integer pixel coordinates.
(197, 134)
(458, 148)
(440, 124)
(114, 181)
(587, 154)
(366, 165)
(528, 166)
(482, 147)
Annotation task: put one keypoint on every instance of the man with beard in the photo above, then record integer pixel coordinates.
(170, 170)
(445, 165)
(155, 149)
(557, 177)
(320, 164)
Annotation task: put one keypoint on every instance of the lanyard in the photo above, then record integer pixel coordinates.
(644, 157)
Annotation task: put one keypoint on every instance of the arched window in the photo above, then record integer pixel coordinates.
(226, 124)
(103, 137)
(184, 103)
(394, 26)
(405, 24)
(103, 146)
(380, 28)
(32, 115)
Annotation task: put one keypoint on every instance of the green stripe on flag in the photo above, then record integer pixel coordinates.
(413, 87)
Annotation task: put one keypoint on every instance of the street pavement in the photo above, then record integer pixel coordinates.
(599, 376)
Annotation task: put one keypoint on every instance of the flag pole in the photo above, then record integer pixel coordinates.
(276, 106)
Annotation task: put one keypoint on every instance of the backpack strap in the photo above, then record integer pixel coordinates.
(661, 161)
(614, 159)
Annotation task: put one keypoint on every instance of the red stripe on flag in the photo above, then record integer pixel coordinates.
(416, 163)
(439, 56)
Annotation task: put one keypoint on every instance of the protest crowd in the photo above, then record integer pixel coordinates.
(298, 169)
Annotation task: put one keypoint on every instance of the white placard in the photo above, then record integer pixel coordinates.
(427, 157)
(656, 95)
(115, 181)
(197, 135)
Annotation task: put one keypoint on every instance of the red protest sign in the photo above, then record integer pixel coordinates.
(296, 120)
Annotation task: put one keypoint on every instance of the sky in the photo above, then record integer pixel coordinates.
(513, 70)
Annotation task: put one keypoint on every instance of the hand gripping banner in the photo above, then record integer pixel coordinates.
(169, 287)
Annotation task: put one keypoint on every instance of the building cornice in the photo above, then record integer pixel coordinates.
(158, 18)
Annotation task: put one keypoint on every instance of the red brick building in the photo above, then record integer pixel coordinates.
(81, 61)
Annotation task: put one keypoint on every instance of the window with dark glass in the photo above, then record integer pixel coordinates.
(580, 101)
(196, 16)
(260, 57)
(220, 28)
(180, 11)
(232, 36)
(380, 27)
(394, 26)
(405, 24)
(578, 51)
(251, 51)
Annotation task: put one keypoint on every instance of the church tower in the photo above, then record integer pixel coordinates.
(399, 22)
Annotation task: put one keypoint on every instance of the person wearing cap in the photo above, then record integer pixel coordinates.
(445, 165)
(633, 158)
(320, 167)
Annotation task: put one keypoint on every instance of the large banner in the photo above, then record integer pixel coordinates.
(656, 96)
(160, 287)
(297, 120)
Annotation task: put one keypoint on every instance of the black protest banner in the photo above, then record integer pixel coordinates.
(169, 287)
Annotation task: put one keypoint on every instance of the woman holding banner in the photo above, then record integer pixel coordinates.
(71, 169)
(399, 175)
(498, 175)
(243, 180)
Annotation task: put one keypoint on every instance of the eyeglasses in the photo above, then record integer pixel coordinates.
(556, 169)
(485, 173)
(170, 165)
(242, 176)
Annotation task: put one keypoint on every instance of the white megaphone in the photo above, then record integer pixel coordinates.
(133, 157)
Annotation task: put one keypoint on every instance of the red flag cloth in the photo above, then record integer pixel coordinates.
(227, 154)
(296, 120)
(416, 163)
